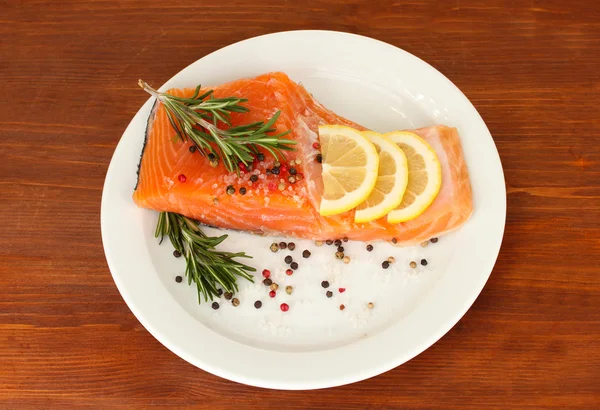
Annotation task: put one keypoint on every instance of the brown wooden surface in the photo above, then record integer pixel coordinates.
(68, 73)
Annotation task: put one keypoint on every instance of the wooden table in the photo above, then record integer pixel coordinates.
(68, 73)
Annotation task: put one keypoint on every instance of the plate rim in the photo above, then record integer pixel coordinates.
(391, 362)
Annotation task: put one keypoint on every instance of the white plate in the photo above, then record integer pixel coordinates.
(315, 345)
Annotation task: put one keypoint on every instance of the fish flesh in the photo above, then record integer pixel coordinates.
(272, 205)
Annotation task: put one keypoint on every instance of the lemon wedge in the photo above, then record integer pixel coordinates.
(424, 176)
(392, 179)
(350, 164)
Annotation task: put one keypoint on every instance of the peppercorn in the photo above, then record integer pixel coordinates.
(340, 249)
(284, 307)
(192, 148)
(282, 245)
(260, 156)
(228, 295)
(182, 178)
(342, 307)
(214, 163)
(338, 242)
(319, 243)
(424, 244)
(385, 265)
(345, 239)
(220, 292)
(176, 253)
(274, 286)
(215, 305)
(369, 248)
(394, 240)
(294, 265)
(293, 171)
(325, 284)
(316, 145)
(292, 179)
(275, 170)
(211, 156)
(289, 290)
(299, 177)
(306, 253)
(268, 171)
(258, 304)
(413, 264)
(266, 273)
(274, 247)
(298, 161)
(281, 186)
(243, 191)
(277, 164)
(235, 302)
(339, 255)
(391, 259)
(288, 259)
(329, 293)
(319, 158)
(434, 240)
(178, 279)
(291, 246)
(341, 290)
(267, 282)
(254, 178)
(230, 190)
(216, 201)
(289, 272)
(370, 305)
(424, 262)
(272, 294)
(329, 242)
(346, 259)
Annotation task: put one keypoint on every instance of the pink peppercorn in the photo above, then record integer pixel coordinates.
(284, 307)
(342, 290)
(289, 272)
(266, 273)
(272, 186)
(272, 293)
(283, 168)
(182, 178)
(316, 145)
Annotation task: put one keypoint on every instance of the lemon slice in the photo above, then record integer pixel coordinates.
(350, 164)
(424, 176)
(392, 179)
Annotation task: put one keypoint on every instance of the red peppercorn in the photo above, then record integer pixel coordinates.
(242, 166)
(284, 307)
(272, 186)
(289, 272)
(272, 293)
(316, 145)
(266, 273)
(283, 168)
(342, 290)
(182, 178)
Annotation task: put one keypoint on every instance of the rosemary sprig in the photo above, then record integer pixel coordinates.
(205, 266)
(198, 118)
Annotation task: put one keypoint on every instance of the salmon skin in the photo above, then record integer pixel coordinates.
(272, 205)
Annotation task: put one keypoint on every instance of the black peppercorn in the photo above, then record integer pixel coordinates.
(424, 262)
(211, 156)
(319, 158)
(258, 304)
(268, 171)
(176, 253)
(275, 171)
(345, 239)
(219, 291)
(338, 242)
(243, 191)
(325, 284)
(254, 178)
(294, 265)
(267, 282)
(394, 240)
(329, 242)
(329, 293)
(288, 259)
(215, 305)
(306, 254)
(385, 265)
(340, 249)
(291, 246)
(178, 279)
(228, 295)
(260, 156)
(369, 248)
(293, 171)
(282, 245)
(192, 148)
(434, 240)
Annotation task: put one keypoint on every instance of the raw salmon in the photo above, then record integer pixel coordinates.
(292, 211)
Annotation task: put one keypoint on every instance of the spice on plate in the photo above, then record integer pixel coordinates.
(329, 242)
(220, 292)
(288, 259)
(339, 255)
(267, 282)
(341, 290)
(369, 248)
(230, 190)
(338, 242)
(182, 178)
(413, 264)
(424, 262)
(385, 265)
(254, 178)
(178, 279)
(294, 265)
(434, 240)
(215, 305)
(325, 284)
(340, 249)
(394, 240)
(258, 304)
(266, 273)
(176, 253)
(346, 259)
(228, 295)
(292, 179)
(284, 307)
(235, 302)
(370, 305)
(306, 253)
(289, 290)
(424, 244)
(192, 148)
(215, 201)
(391, 259)
(329, 293)
(282, 245)
(272, 294)
(274, 247)
(342, 307)
(291, 246)
(319, 158)
(274, 286)
(319, 243)
(243, 191)
(293, 170)
(345, 239)
(289, 272)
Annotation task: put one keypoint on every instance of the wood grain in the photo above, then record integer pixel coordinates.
(68, 89)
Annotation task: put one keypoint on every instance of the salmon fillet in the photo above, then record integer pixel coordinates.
(292, 211)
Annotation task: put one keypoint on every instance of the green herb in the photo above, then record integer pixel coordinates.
(198, 119)
(206, 266)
